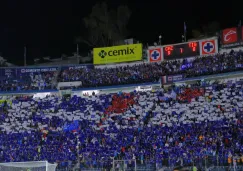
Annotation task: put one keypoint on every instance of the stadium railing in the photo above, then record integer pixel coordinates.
(208, 163)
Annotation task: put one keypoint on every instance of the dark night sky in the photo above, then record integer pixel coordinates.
(48, 28)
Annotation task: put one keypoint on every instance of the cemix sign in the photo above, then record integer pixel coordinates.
(121, 52)
(117, 54)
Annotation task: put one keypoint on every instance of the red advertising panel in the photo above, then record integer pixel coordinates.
(232, 37)
(229, 36)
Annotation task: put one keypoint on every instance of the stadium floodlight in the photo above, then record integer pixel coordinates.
(28, 166)
(160, 37)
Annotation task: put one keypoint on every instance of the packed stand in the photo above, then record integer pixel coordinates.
(178, 126)
(152, 72)
(133, 74)
(29, 81)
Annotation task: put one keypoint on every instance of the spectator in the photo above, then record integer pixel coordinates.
(150, 126)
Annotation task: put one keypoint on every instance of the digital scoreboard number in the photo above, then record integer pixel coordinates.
(183, 50)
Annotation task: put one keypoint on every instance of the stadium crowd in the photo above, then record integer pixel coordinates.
(180, 125)
(152, 72)
(120, 75)
(29, 81)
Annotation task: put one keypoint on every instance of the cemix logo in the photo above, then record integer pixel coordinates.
(120, 52)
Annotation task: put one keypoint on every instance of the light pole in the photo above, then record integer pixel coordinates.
(160, 37)
(78, 60)
(25, 51)
(183, 39)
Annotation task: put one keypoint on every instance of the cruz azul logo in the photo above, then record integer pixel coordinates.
(155, 55)
(229, 35)
(208, 47)
(120, 52)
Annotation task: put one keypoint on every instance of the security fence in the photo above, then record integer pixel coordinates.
(206, 163)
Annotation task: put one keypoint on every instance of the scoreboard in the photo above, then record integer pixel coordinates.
(181, 50)
(207, 46)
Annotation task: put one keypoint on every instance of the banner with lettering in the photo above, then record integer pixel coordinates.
(7, 73)
(36, 70)
(171, 78)
(77, 67)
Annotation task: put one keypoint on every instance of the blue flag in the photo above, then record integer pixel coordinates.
(72, 126)
(184, 27)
